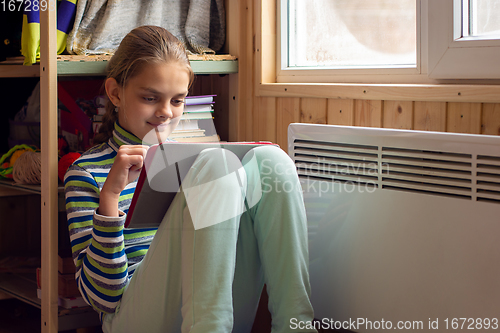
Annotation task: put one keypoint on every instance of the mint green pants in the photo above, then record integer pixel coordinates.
(214, 250)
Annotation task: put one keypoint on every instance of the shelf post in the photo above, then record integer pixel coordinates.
(48, 123)
(233, 31)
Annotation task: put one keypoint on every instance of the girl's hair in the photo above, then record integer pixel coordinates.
(141, 46)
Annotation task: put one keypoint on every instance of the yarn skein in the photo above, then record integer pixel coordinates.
(28, 168)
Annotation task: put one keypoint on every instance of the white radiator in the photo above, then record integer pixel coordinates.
(404, 226)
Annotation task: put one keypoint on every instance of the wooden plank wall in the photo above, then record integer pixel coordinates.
(274, 114)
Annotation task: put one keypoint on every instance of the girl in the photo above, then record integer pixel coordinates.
(176, 278)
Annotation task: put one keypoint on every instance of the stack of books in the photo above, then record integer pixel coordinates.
(196, 121)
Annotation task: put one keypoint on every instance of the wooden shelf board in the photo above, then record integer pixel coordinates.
(95, 65)
(4, 295)
(18, 70)
(8, 188)
(106, 57)
(28, 189)
(215, 67)
(21, 286)
(81, 68)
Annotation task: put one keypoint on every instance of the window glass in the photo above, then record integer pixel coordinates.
(484, 18)
(351, 33)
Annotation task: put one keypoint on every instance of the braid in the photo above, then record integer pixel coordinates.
(108, 124)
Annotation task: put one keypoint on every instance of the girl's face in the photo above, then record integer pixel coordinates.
(152, 102)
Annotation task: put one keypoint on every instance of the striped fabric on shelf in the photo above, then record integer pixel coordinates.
(30, 38)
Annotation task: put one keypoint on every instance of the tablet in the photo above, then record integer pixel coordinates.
(166, 165)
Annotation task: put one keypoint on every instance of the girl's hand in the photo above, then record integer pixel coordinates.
(126, 168)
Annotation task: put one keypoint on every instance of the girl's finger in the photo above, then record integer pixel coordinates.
(135, 161)
(134, 150)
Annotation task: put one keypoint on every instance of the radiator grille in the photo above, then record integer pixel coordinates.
(442, 173)
(433, 172)
(344, 163)
(488, 178)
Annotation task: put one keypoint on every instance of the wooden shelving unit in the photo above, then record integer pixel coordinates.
(10, 185)
(23, 285)
(51, 67)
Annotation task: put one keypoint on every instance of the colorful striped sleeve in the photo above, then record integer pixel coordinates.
(97, 242)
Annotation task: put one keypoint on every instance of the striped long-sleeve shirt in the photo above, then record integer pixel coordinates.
(105, 253)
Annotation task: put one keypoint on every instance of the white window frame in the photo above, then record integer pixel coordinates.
(441, 54)
(452, 56)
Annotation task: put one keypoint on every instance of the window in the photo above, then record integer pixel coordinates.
(386, 41)
(465, 41)
(480, 19)
(351, 34)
